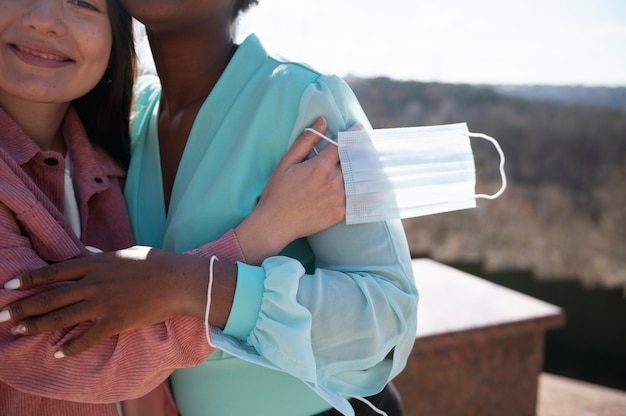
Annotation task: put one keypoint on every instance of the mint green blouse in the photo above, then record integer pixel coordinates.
(321, 318)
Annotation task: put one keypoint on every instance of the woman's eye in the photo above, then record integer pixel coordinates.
(86, 5)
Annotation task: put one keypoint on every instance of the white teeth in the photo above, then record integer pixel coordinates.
(41, 55)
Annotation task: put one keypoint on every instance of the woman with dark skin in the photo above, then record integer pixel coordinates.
(215, 132)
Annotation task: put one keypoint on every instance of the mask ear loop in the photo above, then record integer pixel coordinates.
(329, 140)
(502, 173)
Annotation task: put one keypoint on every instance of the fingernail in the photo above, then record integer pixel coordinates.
(319, 122)
(12, 284)
(5, 315)
(59, 354)
(19, 329)
(92, 249)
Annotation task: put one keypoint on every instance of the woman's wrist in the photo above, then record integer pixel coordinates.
(222, 292)
(192, 289)
(258, 239)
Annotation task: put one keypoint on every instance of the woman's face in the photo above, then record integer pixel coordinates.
(53, 50)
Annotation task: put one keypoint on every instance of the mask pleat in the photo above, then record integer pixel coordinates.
(407, 172)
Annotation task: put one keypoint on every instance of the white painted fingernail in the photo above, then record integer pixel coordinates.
(93, 249)
(19, 329)
(5, 315)
(59, 354)
(12, 284)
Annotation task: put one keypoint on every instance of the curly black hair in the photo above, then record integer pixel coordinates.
(242, 6)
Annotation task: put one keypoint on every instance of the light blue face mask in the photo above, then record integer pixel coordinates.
(409, 172)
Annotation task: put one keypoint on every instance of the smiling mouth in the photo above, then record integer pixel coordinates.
(39, 54)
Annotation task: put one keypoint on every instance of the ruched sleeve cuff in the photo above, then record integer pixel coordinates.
(282, 333)
(247, 302)
(267, 316)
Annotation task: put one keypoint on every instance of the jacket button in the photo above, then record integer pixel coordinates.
(50, 161)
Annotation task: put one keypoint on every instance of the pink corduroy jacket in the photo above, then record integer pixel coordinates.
(33, 233)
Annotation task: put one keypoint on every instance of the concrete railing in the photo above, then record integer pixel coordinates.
(478, 348)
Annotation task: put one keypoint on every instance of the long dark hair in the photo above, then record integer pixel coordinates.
(105, 110)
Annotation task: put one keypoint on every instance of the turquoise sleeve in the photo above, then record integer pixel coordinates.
(312, 325)
(247, 302)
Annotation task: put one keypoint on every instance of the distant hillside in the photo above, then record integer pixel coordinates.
(572, 147)
(564, 214)
(600, 97)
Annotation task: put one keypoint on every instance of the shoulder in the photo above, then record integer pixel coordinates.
(276, 69)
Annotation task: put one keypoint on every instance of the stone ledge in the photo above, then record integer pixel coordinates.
(560, 396)
(478, 348)
(453, 303)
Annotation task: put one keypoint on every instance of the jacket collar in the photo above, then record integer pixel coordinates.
(88, 161)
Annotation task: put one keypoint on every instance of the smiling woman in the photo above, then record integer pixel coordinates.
(74, 38)
(56, 52)
(53, 54)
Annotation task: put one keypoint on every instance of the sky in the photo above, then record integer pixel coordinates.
(553, 42)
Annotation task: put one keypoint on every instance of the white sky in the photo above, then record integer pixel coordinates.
(564, 42)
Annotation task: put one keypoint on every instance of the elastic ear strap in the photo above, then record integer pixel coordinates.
(502, 173)
(371, 406)
(207, 327)
(329, 140)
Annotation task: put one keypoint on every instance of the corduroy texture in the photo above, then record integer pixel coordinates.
(33, 233)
